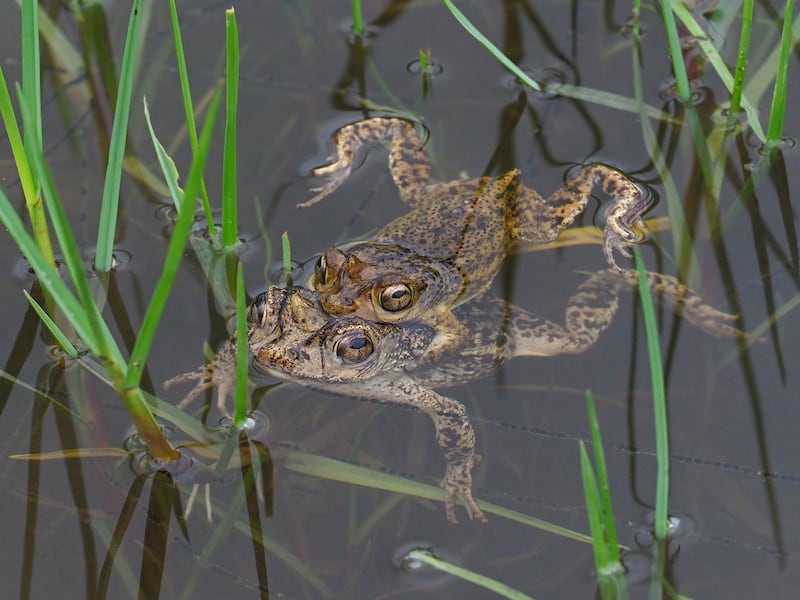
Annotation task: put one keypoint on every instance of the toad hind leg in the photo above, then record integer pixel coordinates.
(591, 309)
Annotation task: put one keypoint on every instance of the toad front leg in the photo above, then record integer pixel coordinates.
(219, 372)
(454, 434)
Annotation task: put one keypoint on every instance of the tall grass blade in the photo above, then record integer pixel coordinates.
(177, 243)
(31, 74)
(188, 108)
(358, 17)
(681, 235)
(242, 362)
(676, 56)
(108, 212)
(610, 572)
(700, 37)
(602, 479)
(661, 524)
(98, 336)
(778, 108)
(594, 511)
(80, 316)
(336, 470)
(741, 58)
(30, 189)
(230, 233)
(47, 275)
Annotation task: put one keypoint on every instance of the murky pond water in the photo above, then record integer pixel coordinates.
(733, 414)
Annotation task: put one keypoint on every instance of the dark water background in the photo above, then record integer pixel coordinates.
(732, 418)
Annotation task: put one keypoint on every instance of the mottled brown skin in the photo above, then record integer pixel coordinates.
(292, 338)
(449, 247)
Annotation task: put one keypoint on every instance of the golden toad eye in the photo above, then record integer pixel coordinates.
(396, 297)
(354, 347)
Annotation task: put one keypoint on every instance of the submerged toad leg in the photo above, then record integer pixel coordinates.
(590, 311)
(408, 160)
(536, 219)
(454, 433)
(219, 372)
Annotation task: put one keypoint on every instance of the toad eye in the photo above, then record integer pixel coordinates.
(354, 347)
(396, 297)
(321, 272)
(259, 307)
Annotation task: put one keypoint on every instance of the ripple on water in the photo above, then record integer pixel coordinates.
(405, 572)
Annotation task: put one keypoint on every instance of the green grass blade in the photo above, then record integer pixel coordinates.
(778, 108)
(610, 100)
(336, 470)
(741, 58)
(54, 329)
(680, 231)
(177, 243)
(62, 52)
(602, 479)
(188, 108)
(48, 276)
(31, 75)
(594, 511)
(358, 17)
(98, 337)
(80, 318)
(242, 353)
(715, 60)
(32, 125)
(661, 525)
(84, 315)
(286, 252)
(230, 233)
(168, 168)
(15, 140)
(494, 50)
(762, 78)
(116, 152)
(33, 200)
(676, 56)
(501, 589)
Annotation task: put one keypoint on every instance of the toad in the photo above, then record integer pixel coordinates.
(447, 249)
(292, 338)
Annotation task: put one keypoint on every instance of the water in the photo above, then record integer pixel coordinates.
(733, 417)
